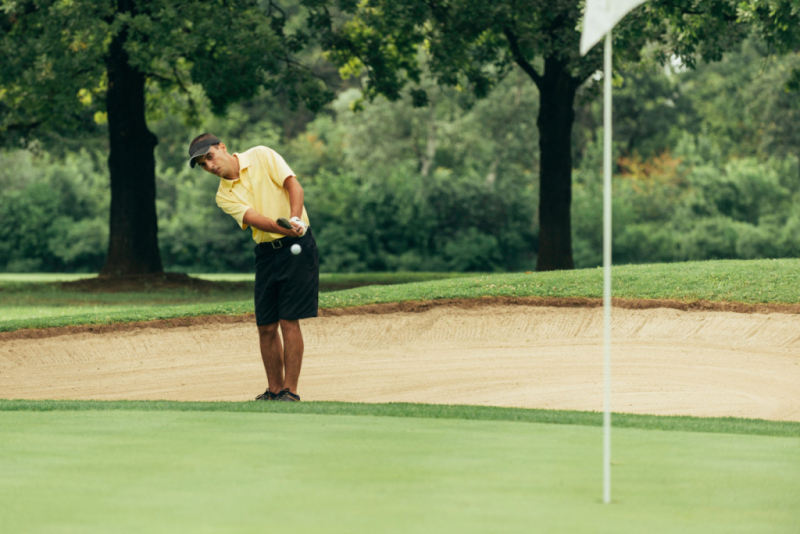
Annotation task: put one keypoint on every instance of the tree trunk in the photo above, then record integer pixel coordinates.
(133, 232)
(556, 115)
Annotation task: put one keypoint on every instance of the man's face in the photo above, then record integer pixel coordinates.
(216, 161)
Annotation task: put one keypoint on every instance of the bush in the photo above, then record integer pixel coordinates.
(688, 206)
(55, 212)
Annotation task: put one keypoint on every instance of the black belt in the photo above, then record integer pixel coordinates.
(281, 242)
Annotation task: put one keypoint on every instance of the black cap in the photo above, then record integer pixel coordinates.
(201, 148)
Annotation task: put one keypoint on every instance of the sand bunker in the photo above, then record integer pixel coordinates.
(666, 361)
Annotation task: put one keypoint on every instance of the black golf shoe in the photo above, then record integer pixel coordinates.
(288, 396)
(268, 396)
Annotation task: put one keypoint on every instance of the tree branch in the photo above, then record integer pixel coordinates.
(21, 126)
(273, 5)
(440, 12)
(289, 61)
(519, 59)
(185, 90)
(724, 16)
(177, 81)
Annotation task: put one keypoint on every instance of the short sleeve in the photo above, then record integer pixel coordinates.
(279, 170)
(234, 208)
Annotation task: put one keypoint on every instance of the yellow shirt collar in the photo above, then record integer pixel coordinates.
(244, 162)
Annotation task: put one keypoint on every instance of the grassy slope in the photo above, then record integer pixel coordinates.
(133, 471)
(360, 279)
(760, 281)
(333, 278)
(40, 296)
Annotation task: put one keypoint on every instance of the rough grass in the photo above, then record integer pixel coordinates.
(725, 425)
(360, 279)
(354, 279)
(757, 281)
(40, 299)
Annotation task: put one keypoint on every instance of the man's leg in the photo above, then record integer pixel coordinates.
(292, 353)
(272, 356)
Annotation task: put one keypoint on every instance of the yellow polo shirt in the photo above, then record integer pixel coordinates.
(262, 172)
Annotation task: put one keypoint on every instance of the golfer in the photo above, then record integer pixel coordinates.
(257, 188)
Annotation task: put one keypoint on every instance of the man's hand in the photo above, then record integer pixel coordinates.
(294, 232)
(299, 225)
(255, 219)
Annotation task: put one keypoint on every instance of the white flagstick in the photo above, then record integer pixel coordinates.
(607, 268)
(599, 19)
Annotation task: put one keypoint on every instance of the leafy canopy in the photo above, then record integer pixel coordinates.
(53, 54)
(473, 43)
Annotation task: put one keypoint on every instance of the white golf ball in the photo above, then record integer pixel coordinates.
(296, 249)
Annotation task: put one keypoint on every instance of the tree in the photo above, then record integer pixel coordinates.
(472, 43)
(67, 65)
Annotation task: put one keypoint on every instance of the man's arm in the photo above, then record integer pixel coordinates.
(265, 224)
(295, 196)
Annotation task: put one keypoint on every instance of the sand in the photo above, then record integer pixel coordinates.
(665, 361)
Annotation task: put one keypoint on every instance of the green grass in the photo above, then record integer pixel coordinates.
(360, 279)
(49, 306)
(725, 425)
(758, 281)
(206, 471)
(7, 279)
(39, 299)
(352, 279)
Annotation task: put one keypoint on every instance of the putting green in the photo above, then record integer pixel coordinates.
(169, 471)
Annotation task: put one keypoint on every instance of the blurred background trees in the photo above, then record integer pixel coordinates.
(707, 168)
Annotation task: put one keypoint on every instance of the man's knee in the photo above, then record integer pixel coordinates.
(290, 326)
(268, 330)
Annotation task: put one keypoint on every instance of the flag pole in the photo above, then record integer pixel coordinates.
(607, 268)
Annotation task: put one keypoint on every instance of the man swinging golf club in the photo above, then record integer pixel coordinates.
(258, 189)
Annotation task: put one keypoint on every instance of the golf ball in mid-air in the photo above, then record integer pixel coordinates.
(296, 249)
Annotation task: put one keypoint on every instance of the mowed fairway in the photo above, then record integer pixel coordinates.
(170, 471)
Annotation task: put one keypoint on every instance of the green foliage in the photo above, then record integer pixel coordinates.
(405, 222)
(682, 207)
(473, 43)
(53, 58)
(776, 21)
(651, 110)
(55, 213)
(701, 173)
(706, 169)
(746, 103)
(24, 241)
(193, 232)
(51, 66)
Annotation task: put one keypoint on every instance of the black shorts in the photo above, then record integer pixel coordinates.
(287, 285)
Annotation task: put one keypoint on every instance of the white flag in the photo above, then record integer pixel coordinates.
(600, 18)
